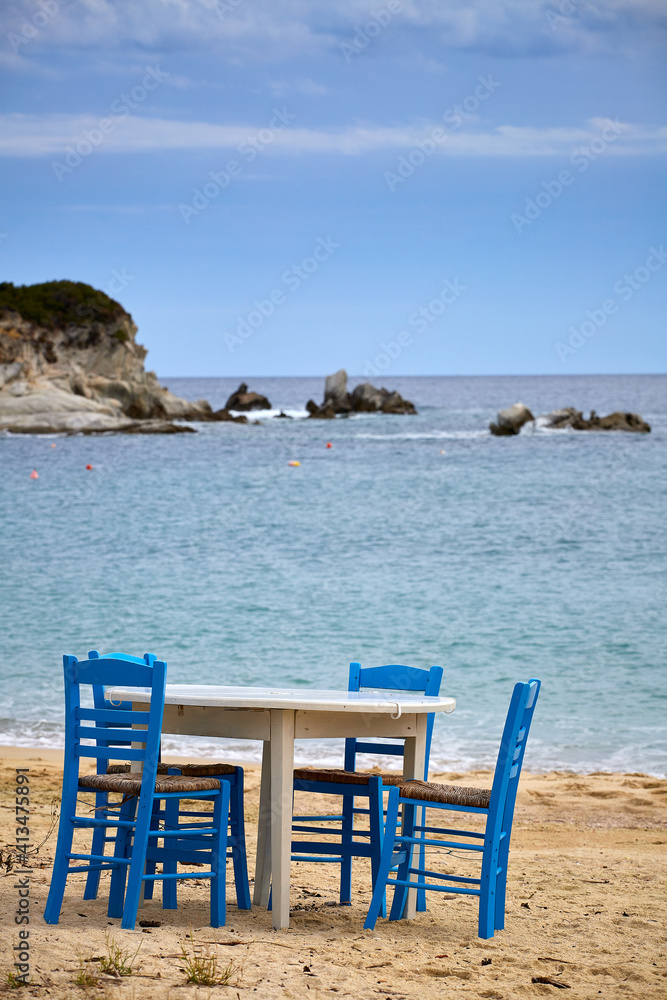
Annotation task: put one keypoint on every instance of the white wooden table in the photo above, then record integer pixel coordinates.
(278, 717)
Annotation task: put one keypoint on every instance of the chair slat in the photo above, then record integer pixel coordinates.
(111, 715)
(109, 753)
(106, 733)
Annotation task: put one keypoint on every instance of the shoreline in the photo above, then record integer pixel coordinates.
(13, 751)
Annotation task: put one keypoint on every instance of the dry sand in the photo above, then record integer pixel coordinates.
(586, 907)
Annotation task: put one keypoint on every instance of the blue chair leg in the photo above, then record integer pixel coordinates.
(121, 850)
(376, 825)
(346, 841)
(149, 886)
(219, 857)
(63, 848)
(487, 897)
(501, 884)
(172, 808)
(99, 840)
(237, 830)
(136, 872)
(385, 861)
(421, 893)
(401, 892)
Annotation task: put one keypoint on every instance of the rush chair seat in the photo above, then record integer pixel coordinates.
(351, 784)
(234, 775)
(90, 733)
(496, 805)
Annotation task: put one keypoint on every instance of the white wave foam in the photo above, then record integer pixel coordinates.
(271, 414)
(425, 436)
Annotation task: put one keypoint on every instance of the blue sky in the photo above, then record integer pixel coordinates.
(286, 187)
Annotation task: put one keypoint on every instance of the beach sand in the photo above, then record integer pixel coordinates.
(586, 907)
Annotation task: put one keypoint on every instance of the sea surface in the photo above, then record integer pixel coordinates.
(413, 539)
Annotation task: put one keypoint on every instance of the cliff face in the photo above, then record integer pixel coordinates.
(69, 361)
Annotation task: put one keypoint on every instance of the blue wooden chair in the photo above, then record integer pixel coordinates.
(103, 807)
(136, 842)
(496, 804)
(352, 784)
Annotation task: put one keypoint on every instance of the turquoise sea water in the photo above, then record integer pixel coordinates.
(413, 539)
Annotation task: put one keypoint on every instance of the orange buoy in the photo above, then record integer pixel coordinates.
(328, 444)
(53, 446)
(34, 474)
(89, 466)
(294, 464)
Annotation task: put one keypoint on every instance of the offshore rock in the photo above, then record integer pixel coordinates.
(69, 362)
(226, 415)
(326, 411)
(244, 400)
(617, 421)
(365, 398)
(511, 420)
(335, 389)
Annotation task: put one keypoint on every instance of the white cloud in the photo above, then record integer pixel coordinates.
(37, 136)
(275, 30)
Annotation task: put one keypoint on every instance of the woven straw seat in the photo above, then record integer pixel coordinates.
(187, 770)
(127, 784)
(342, 777)
(453, 795)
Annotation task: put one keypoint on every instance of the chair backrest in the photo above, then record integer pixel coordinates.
(393, 677)
(511, 753)
(100, 701)
(105, 739)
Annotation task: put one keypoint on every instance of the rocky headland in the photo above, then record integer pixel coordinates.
(244, 400)
(365, 398)
(510, 421)
(70, 363)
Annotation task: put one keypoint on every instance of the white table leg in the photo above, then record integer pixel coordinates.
(282, 789)
(263, 861)
(413, 767)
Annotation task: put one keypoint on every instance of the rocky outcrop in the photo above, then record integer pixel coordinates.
(511, 420)
(335, 389)
(69, 363)
(224, 414)
(617, 421)
(244, 400)
(365, 398)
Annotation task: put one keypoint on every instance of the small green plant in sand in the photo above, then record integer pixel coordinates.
(85, 977)
(201, 968)
(13, 982)
(118, 961)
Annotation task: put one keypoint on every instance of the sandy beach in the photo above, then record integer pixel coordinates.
(586, 909)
